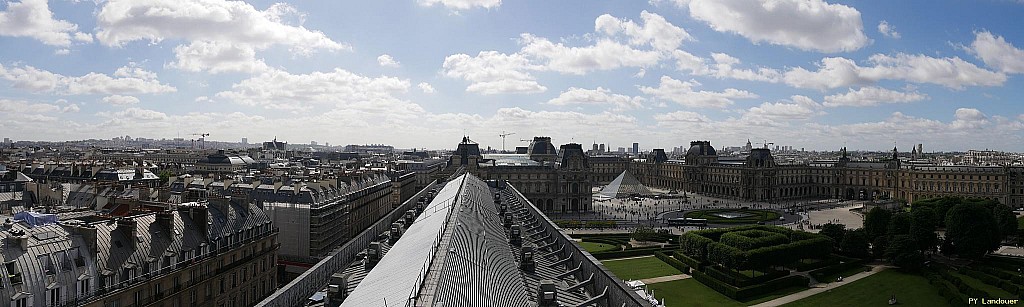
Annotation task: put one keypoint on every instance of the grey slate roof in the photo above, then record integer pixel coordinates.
(58, 256)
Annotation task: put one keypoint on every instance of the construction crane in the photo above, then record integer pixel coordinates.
(202, 140)
(503, 135)
(766, 143)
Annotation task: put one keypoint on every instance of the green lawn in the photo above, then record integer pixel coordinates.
(593, 247)
(640, 268)
(875, 290)
(844, 274)
(690, 292)
(1020, 222)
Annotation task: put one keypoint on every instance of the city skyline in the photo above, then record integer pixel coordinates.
(662, 73)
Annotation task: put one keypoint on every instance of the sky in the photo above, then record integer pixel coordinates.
(810, 74)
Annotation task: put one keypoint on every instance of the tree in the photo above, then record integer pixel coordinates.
(878, 246)
(855, 244)
(902, 252)
(1006, 220)
(971, 230)
(922, 228)
(899, 224)
(940, 205)
(876, 223)
(642, 233)
(834, 231)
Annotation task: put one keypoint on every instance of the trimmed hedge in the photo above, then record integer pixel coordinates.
(962, 286)
(600, 235)
(742, 294)
(675, 263)
(1002, 274)
(606, 241)
(629, 253)
(947, 290)
(740, 280)
(800, 266)
(693, 263)
(992, 280)
(705, 245)
(754, 238)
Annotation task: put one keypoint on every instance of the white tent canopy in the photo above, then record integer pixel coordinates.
(624, 186)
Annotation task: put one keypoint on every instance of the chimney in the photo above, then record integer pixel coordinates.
(129, 227)
(396, 232)
(88, 233)
(222, 204)
(166, 219)
(373, 255)
(547, 294)
(527, 263)
(337, 289)
(200, 218)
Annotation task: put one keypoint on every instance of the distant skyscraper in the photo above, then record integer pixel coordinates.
(328, 144)
(636, 148)
(245, 141)
(920, 148)
(312, 143)
(622, 149)
(7, 141)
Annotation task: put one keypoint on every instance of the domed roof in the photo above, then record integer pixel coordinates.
(701, 148)
(541, 145)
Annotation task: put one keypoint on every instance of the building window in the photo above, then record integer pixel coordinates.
(83, 288)
(22, 302)
(55, 296)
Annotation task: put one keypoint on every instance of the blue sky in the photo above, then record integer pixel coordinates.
(422, 73)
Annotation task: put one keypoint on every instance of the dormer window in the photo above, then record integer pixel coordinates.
(46, 264)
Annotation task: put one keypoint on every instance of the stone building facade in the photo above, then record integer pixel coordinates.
(555, 180)
(759, 178)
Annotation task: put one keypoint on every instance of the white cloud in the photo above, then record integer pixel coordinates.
(656, 31)
(606, 54)
(23, 107)
(217, 57)
(798, 108)
(689, 62)
(136, 114)
(278, 89)
(62, 51)
(130, 79)
(682, 92)
(235, 22)
(723, 68)
(599, 96)
(640, 73)
(997, 53)
(834, 72)
(119, 100)
(491, 72)
(33, 18)
(426, 88)
(462, 4)
(969, 119)
(203, 99)
(387, 61)
(681, 118)
(888, 30)
(872, 96)
(71, 108)
(804, 24)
